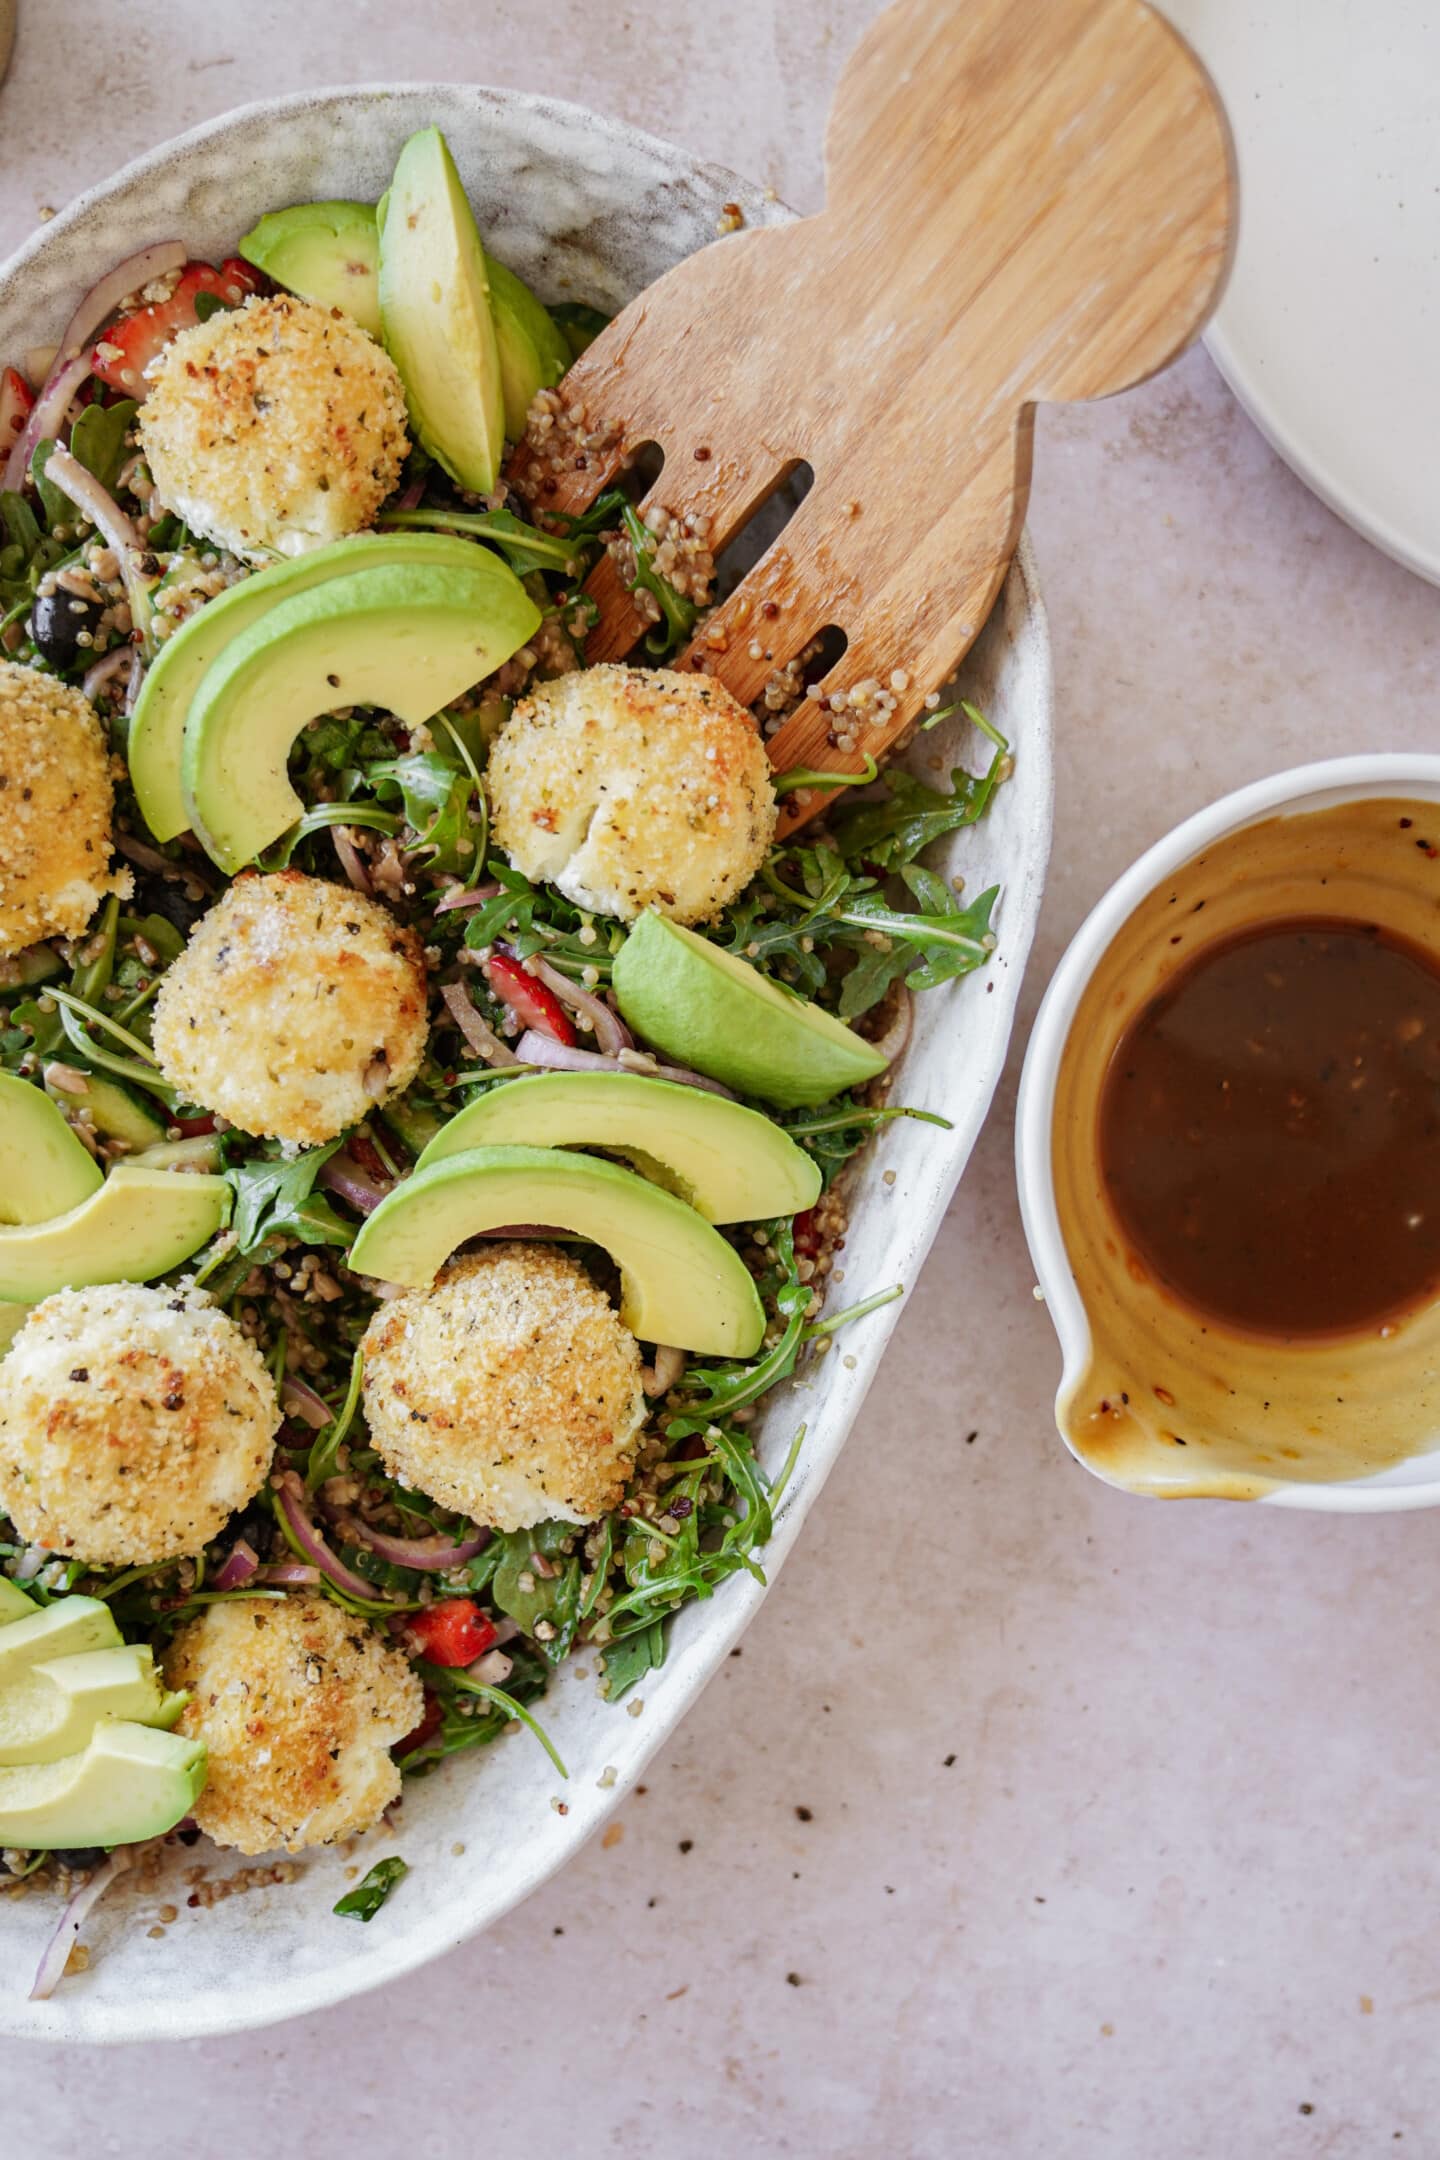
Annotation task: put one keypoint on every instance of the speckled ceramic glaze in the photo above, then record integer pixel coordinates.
(586, 210)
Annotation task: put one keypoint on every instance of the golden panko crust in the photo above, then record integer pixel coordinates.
(134, 1421)
(632, 788)
(295, 1008)
(274, 427)
(510, 1391)
(299, 1705)
(56, 800)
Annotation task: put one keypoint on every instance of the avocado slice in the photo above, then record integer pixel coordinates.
(435, 308)
(65, 1629)
(157, 728)
(118, 1114)
(44, 1169)
(680, 1282)
(129, 1782)
(14, 1605)
(407, 638)
(139, 1224)
(51, 1708)
(533, 351)
(731, 1164)
(328, 252)
(705, 1008)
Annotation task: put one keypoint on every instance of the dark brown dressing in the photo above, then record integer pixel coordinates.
(1269, 1129)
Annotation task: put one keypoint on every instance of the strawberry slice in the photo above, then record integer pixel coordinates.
(528, 999)
(16, 405)
(124, 351)
(250, 280)
(453, 1631)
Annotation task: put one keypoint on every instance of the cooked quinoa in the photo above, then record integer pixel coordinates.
(134, 1421)
(296, 1007)
(299, 1705)
(632, 788)
(510, 1391)
(274, 428)
(56, 801)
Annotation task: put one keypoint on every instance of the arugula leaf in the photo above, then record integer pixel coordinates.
(709, 1393)
(275, 1197)
(628, 1660)
(21, 530)
(367, 1897)
(840, 1128)
(97, 440)
(552, 1598)
(437, 800)
(58, 508)
(677, 614)
(523, 546)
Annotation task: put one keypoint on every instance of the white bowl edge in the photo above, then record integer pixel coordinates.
(1330, 780)
(255, 1960)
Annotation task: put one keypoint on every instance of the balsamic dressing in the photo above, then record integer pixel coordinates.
(1269, 1129)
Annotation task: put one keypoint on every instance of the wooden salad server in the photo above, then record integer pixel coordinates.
(1026, 199)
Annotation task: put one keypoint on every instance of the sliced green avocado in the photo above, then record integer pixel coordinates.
(705, 1008)
(129, 1782)
(140, 1224)
(51, 1708)
(435, 308)
(14, 1605)
(117, 1113)
(680, 1283)
(44, 1169)
(328, 252)
(65, 1629)
(157, 729)
(729, 1163)
(408, 638)
(533, 351)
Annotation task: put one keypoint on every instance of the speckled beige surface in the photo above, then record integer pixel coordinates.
(1177, 1884)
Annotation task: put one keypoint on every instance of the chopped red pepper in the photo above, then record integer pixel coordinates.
(16, 404)
(431, 1721)
(528, 998)
(195, 1128)
(453, 1631)
(126, 349)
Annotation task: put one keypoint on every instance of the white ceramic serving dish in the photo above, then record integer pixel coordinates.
(1414, 1483)
(588, 210)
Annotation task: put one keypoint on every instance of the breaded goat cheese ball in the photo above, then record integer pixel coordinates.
(299, 1705)
(632, 788)
(274, 427)
(295, 1008)
(134, 1420)
(55, 806)
(510, 1391)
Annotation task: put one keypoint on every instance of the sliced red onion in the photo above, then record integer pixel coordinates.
(659, 1378)
(477, 1031)
(30, 1563)
(611, 1034)
(96, 307)
(410, 495)
(57, 1951)
(506, 1629)
(307, 1536)
(137, 677)
(351, 861)
(238, 1567)
(493, 1669)
(466, 897)
(144, 856)
(536, 1049)
(46, 416)
(431, 1555)
(100, 671)
(85, 491)
(298, 1395)
(290, 1575)
(344, 1177)
(892, 1043)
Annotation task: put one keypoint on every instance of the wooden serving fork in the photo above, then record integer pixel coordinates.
(1026, 199)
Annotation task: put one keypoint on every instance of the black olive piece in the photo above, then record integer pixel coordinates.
(56, 621)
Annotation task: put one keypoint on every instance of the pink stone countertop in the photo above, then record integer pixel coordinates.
(1033, 1820)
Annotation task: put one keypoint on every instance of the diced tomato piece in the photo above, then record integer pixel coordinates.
(425, 1731)
(806, 1234)
(124, 351)
(16, 405)
(453, 1631)
(363, 1151)
(527, 998)
(235, 271)
(195, 1128)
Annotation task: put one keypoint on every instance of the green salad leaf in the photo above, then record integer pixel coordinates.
(369, 1894)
